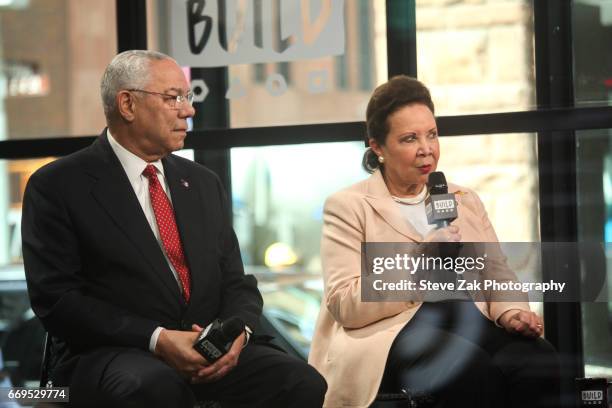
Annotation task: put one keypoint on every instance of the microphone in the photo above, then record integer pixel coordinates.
(217, 338)
(441, 209)
(440, 206)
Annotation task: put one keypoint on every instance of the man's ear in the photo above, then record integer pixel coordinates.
(126, 105)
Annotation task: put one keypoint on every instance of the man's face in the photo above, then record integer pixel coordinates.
(160, 125)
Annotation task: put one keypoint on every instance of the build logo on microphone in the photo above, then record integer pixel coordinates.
(592, 395)
(593, 392)
(443, 205)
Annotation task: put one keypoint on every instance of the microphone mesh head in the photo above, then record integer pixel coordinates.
(437, 183)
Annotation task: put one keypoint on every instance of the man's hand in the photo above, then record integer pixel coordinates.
(223, 365)
(176, 349)
(519, 321)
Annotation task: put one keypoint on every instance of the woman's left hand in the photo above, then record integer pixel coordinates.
(522, 322)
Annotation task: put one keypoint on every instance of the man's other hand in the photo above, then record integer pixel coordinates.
(176, 349)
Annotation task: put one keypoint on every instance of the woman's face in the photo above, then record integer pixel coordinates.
(411, 150)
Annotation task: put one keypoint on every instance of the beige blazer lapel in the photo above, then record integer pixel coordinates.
(380, 199)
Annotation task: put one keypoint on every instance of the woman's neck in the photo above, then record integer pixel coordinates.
(402, 190)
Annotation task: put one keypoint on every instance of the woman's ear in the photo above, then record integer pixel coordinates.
(375, 146)
(126, 105)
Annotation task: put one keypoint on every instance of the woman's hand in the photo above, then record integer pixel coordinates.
(522, 322)
(446, 234)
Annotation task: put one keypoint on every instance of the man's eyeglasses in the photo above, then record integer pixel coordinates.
(175, 101)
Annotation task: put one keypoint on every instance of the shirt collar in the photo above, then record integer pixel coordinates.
(132, 164)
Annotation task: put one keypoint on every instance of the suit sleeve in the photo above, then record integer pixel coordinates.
(343, 233)
(240, 294)
(53, 267)
(498, 302)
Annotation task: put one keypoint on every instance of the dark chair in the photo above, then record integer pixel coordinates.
(44, 374)
(44, 365)
(22, 350)
(403, 399)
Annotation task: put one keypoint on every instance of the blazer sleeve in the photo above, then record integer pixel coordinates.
(498, 302)
(240, 294)
(53, 267)
(343, 233)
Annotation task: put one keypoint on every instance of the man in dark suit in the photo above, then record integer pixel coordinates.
(129, 252)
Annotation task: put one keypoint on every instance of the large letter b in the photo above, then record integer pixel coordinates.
(194, 17)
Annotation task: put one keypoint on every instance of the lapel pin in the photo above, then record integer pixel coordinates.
(185, 183)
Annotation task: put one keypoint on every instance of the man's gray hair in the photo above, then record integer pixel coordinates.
(128, 70)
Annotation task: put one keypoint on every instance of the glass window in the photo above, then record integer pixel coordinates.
(53, 54)
(278, 194)
(14, 175)
(503, 170)
(21, 334)
(288, 62)
(594, 174)
(477, 56)
(592, 35)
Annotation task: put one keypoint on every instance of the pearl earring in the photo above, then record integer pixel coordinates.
(381, 159)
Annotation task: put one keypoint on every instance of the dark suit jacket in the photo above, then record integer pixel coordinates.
(96, 274)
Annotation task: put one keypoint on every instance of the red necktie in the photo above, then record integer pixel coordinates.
(164, 215)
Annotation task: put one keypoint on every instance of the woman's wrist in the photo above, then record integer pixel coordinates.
(505, 317)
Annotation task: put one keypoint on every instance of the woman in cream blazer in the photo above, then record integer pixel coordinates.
(353, 338)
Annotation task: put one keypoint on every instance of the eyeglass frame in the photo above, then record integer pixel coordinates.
(179, 100)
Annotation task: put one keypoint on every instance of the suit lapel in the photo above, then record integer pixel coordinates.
(115, 194)
(188, 207)
(379, 198)
(386, 208)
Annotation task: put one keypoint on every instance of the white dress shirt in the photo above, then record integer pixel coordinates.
(134, 166)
